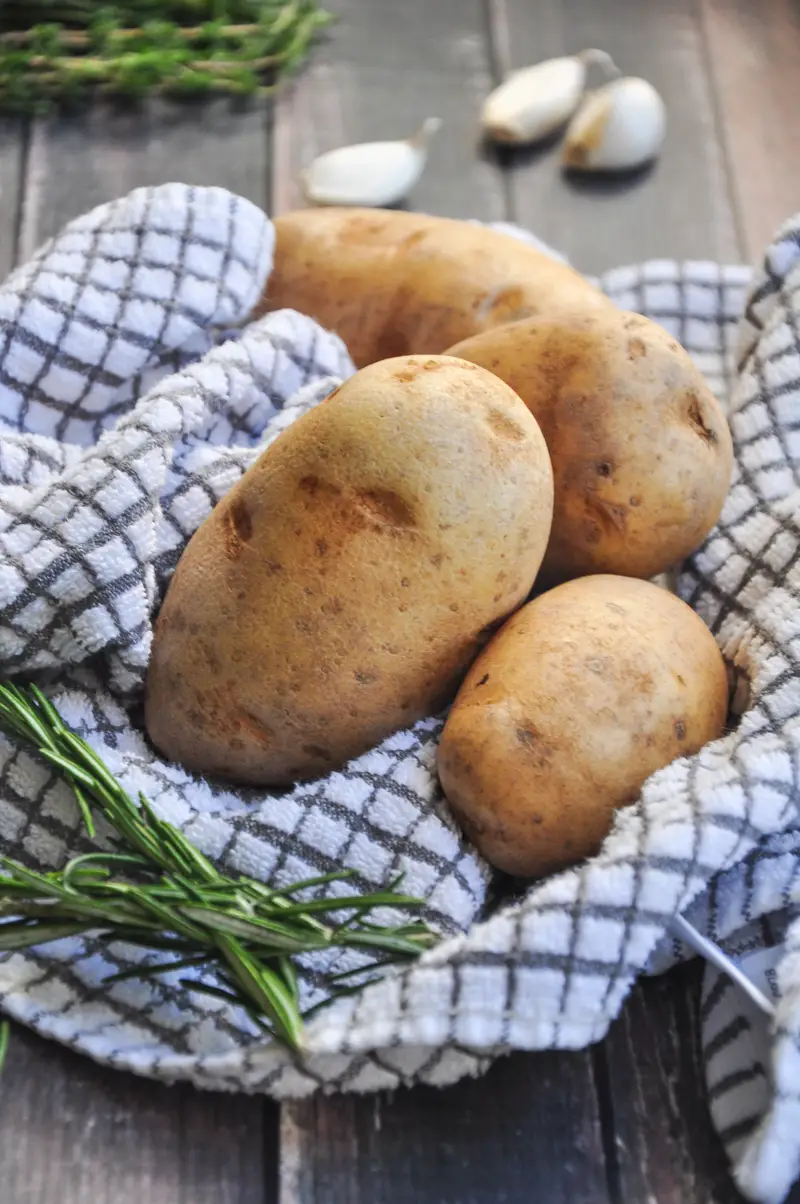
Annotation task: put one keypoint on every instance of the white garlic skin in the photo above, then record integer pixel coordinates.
(618, 127)
(534, 101)
(369, 174)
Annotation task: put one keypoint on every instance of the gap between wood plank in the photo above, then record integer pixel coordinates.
(723, 133)
(33, 186)
(290, 1154)
(602, 1080)
(12, 172)
(498, 39)
(19, 199)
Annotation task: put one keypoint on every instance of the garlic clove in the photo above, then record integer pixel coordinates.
(534, 101)
(619, 126)
(369, 174)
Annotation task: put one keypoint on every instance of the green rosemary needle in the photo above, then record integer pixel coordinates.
(163, 894)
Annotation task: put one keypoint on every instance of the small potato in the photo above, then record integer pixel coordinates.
(581, 696)
(640, 448)
(344, 585)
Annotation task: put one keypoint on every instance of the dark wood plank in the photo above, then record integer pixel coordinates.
(70, 1130)
(678, 208)
(528, 1130)
(754, 51)
(665, 1144)
(11, 161)
(73, 1133)
(79, 161)
(383, 68)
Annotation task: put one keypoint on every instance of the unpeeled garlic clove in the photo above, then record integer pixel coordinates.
(619, 126)
(535, 101)
(369, 174)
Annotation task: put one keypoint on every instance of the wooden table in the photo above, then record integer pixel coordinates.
(622, 1123)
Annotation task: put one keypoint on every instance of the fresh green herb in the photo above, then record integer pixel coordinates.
(164, 894)
(66, 51)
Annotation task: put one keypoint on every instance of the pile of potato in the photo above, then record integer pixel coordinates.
(510, 433)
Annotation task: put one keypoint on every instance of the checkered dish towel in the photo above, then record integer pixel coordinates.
(131, 399)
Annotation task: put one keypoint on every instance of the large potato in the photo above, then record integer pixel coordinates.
(582, 695)
(344, 585)
(394, 283)
(641, 450)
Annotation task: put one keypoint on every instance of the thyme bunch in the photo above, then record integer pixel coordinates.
(62, 52)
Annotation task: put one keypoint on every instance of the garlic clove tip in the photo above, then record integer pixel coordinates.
(423, 136)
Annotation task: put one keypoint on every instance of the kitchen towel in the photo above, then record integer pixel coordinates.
(133, 394)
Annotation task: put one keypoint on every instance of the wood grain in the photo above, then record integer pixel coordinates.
(666, 1147)
(680, 207)
(754, 51)
(528, 1130)
(384, 67)
(82, 160)
(11, 167)
(74, 1133)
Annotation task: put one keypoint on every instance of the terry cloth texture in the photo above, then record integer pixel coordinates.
(132, 397)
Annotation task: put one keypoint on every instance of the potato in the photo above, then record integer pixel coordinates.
(581, 696)
(396, 283)
(343, 586)
(641, 450)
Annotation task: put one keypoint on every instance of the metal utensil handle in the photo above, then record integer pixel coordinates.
(682, 929)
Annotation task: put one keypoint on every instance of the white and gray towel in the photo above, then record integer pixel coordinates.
(132, 396)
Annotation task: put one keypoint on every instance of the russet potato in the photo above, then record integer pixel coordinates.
(345, 584)
(581, 695)
(641, 450)
(392, 283)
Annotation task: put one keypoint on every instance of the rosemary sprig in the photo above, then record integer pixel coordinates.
(66, 51)
(164, 894)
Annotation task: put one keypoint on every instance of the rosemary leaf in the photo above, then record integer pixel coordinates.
(280, 939)
(386, 942)
(346, 902)
(320, 880)
(22, 935)
(266, 988)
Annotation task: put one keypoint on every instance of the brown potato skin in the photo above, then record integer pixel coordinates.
(641, 450)
(344, 585)
(582, 694)
(396, 283)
